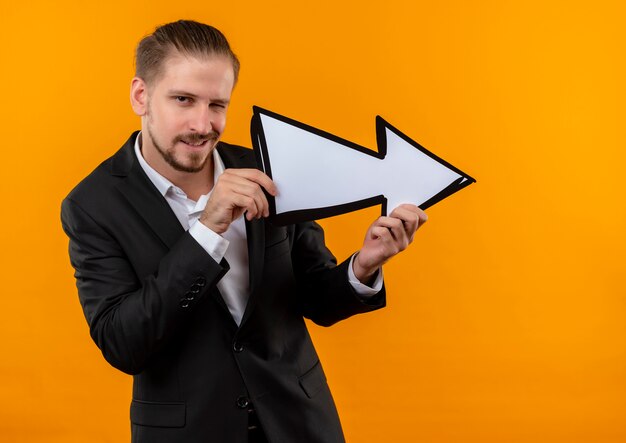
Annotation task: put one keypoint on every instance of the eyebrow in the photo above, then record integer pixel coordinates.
(177, 92)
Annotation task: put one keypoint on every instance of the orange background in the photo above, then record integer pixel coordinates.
(506, 318)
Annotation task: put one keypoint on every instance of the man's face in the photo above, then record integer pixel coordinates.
(185, 112)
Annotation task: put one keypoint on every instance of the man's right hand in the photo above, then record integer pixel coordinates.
(237, 191)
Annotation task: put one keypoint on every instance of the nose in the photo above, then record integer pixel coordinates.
(201, 120)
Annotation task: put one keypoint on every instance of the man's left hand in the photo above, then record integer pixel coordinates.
(386, 237)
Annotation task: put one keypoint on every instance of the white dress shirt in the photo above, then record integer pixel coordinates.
(231, 245)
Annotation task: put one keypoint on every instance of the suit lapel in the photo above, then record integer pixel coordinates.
(255, 232)
(255, 229)
(143, 195)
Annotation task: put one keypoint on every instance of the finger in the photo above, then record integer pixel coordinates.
(261, 203)
(408, 218)
(389, 245)
(396, 227)
(243, 186)
(255, 176)
(381, 233)
(412, 216)
(409, 211)
(423, 218)
(247, 203)
(392, 241)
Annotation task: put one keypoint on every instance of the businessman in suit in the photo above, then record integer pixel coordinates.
(187, 287)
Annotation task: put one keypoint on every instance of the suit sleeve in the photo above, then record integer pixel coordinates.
(129, 319)
(326, 293)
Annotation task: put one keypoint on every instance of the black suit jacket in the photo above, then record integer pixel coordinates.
(148, 291)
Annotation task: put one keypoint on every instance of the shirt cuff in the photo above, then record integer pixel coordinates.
(363, 290)
(214, 244)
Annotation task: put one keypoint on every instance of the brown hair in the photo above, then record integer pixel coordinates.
(187, 37)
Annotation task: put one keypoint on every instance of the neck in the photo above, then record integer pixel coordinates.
(194, 184)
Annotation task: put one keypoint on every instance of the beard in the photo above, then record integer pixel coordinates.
(195, 161)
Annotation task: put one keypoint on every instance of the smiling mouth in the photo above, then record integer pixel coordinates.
(195, 144)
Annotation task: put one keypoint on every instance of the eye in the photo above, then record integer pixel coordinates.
(182, 99)
(218, 106)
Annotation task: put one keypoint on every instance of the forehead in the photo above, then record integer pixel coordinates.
(198, 74)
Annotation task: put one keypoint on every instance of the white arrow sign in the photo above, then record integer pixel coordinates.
(320, 175)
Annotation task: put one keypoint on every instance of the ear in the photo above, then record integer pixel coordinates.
(139, 96)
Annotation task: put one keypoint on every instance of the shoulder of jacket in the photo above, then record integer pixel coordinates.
(106, 174)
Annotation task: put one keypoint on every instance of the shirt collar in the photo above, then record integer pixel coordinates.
(161, 183)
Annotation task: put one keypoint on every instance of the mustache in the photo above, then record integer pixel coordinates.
(194, 137)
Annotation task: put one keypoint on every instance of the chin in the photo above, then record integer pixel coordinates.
(193, 164)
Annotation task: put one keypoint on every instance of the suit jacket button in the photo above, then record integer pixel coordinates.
(200, 281)
(195, 288)
(184, 303)
(243, 402)
(237, 347)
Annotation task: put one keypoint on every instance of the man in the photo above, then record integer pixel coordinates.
(187, 287)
